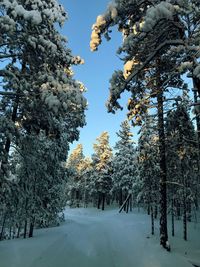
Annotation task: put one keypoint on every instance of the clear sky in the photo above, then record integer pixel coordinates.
(96, 71)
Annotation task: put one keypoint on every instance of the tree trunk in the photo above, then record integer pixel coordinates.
(198, 140)
(156, 211)
(103, 200)
(131, 203)
(120, 197)
(2, 228)
(184, 207)
(189, 211)
(127, 205)
(148, 209)
(10, 232)
(172, 213)
(178, 210)
(184, 219)
(163, 175)
(99, 200)
(31, 227)
(77, 198)
(152, 221)
(18, 230)
(31, 230)
(25, 228)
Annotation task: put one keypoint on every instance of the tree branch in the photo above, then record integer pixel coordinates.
(9, 56)
(161, 46)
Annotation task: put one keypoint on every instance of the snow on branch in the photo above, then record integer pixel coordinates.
(152, 56)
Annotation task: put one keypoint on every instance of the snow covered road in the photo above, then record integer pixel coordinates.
(91, 238)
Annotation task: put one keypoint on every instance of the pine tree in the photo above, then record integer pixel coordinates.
(74, 164)
(102, 170)
(124, 164)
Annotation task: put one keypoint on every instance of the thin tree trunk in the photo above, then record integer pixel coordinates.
(156, 211)
(184, 207)
(18, 230)
(31, 227)
(184, 176)
(2, 228)
(103, 200)
(25, 228)
(163, 173)
(198, 140)
(172, 213)
(127, 205)
(189, 210)
(99, 200)
(148, 209)
(178, 210)
(77, 198)
(10, 232)
(131, 203)
(120, 197)
(184, 219)
(152, 221)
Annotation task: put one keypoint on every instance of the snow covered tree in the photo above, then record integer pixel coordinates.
(74, 164)
(101, 163)
(78, 185)
(85, 169)
(39, 178)
(38, 90)
(148, 168)
(182, 159)
(124, 164)
(39, 99)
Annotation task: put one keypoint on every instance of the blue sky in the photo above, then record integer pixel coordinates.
(96, 71)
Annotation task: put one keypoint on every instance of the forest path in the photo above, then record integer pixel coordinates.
(95, 238)
(92, 238)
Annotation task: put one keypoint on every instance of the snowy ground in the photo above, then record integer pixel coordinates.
(93, 238)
